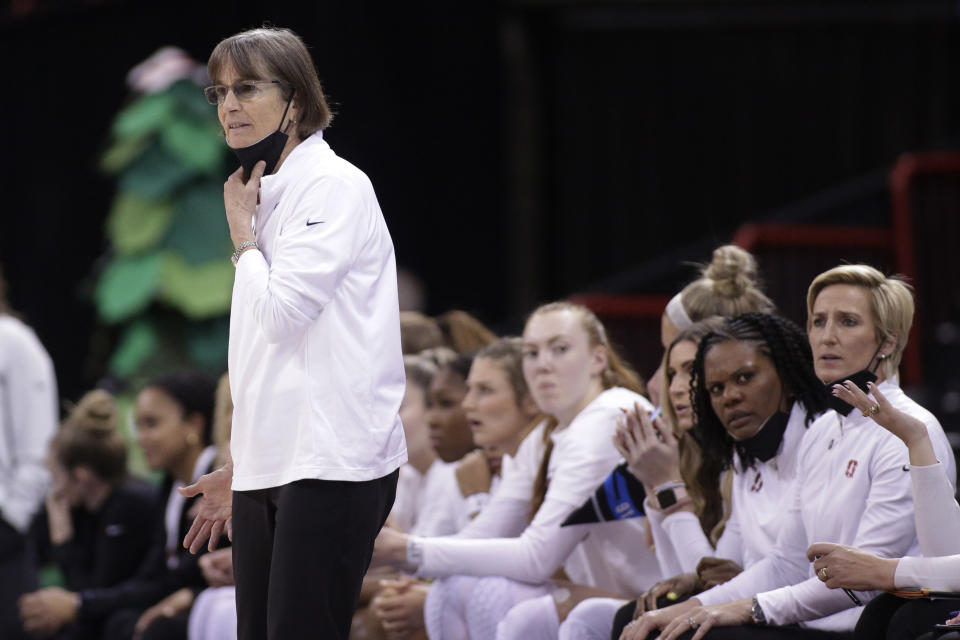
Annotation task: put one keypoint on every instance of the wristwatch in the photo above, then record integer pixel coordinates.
(243, 247)
(670, 494)
(756, 613)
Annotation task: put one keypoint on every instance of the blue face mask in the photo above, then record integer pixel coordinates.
(268, 149)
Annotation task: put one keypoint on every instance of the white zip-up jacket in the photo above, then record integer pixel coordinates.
(28, 419)
(853, 487)
(761, 496)
(316, 370)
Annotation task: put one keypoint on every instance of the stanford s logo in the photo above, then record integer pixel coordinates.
(757, 483)
(851, 467)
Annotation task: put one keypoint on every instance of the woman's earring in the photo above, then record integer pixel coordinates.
(883, 357)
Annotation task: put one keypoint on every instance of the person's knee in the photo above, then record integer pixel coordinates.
(530, 620)
(591, 619)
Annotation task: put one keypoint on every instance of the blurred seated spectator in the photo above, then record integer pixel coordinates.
(98, 522)
(173, 418)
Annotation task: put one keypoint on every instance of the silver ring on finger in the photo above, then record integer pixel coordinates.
(693, 623)
(822, 573)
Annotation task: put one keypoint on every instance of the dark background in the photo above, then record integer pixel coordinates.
(521, 151)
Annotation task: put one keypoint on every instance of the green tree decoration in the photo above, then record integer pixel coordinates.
(165, 284)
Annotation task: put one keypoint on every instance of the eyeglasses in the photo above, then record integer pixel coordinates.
(243, 90)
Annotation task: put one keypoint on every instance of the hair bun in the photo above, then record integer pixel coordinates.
(732, 270)
(96, 413)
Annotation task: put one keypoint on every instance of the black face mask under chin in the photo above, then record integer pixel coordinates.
(269, 149)
(860, 378)
(765, 443)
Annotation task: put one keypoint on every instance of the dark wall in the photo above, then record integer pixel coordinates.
(415, 88)
(663, 126)
(520, 151)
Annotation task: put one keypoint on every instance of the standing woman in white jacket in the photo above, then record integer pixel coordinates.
(577, 379)
(853, 483)
(316, 369)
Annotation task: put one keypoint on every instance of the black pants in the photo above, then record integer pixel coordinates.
(300, 552)
(17, 577)
(888, 617)
(625, 615)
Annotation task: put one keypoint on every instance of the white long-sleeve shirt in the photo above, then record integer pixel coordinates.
(938, 523)
(853, 487)
(316, 370)
(430, 504)
(500, 541)
(760, 498)
(28, 419)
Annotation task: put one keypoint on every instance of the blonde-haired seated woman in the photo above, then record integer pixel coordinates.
(938, 522)
(512, 550)
(500, 411)
(728, 286)
(853, 487)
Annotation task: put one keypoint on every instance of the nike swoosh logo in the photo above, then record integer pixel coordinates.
(309, 223)
(906, 467)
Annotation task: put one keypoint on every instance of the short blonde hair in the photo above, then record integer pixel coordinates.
(891, 302)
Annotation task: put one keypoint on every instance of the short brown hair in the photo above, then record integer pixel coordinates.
(418, 332)
(89, 437)
(277, 54)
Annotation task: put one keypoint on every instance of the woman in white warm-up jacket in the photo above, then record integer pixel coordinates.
(517, 543)
(762, 373)
(938, 521)
(853, 486)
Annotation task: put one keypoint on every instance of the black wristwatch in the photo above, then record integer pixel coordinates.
(670, 494)
(756, 613)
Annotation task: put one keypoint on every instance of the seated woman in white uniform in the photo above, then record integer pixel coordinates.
(853, 485)
(938, 521)
(760, 397)
(578, 380)
(500, 412)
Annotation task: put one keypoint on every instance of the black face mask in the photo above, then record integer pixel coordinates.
(860, 378)
(765, 442)
(268, 149)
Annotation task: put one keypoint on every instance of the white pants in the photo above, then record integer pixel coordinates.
(214, 615)
(462, 607)
(592, 619)
(534, 619)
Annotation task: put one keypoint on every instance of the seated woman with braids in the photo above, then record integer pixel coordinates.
(755, 396)
(852, 483)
